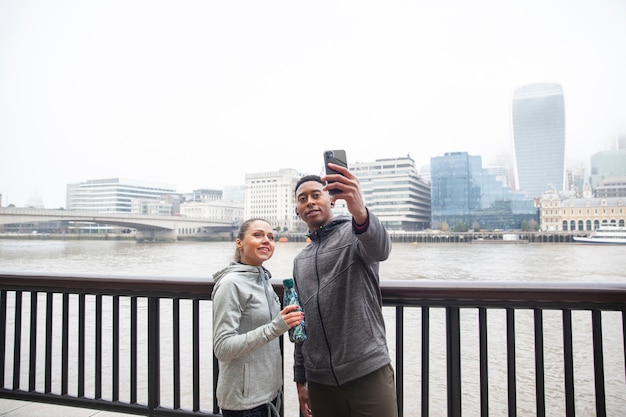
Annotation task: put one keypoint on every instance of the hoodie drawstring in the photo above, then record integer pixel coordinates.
(273, 408)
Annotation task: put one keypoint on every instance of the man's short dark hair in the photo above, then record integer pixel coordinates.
(308, 178)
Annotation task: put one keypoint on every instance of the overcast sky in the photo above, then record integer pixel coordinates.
(196, 94)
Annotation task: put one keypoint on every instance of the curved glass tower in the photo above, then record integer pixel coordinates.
(539, 138)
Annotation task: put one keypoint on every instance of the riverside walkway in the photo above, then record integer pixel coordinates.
(16, 408)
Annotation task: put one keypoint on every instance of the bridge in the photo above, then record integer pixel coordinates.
(148, 227)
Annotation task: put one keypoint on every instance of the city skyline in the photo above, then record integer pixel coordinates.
(198, 94)
(147, 182)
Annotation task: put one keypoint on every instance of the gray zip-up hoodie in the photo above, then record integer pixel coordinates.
(337, 281)
(246, 327)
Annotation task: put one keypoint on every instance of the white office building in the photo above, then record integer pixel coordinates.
(393, 190)
(215, 210)
(271, 196)
(115, 195)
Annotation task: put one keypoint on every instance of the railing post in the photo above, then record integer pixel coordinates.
(3, 335)
(400, 359)
(17, 350)
(154, 374)
(540, 384)
(65, 345)
(133, 350)
(484, 361)
(81, 344)
(511, 368)
(453, 340)
(32, 356)
(425, 360)
(98, 348)
(568, 359)
(176, 350)
(196, 355)
(216, 372)
(598, 363)
(48, 343)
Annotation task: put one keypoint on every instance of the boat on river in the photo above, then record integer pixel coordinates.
(507, 238)
(606, 235)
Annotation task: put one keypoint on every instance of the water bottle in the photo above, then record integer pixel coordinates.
(297, 334)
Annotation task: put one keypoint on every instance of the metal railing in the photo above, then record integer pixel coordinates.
(143, 346)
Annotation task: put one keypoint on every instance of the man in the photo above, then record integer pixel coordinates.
(343, 369)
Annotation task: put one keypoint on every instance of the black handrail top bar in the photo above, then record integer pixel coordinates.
(604, 295)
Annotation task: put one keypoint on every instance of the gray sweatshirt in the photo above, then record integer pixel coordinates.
(246, 327)
(337, 280)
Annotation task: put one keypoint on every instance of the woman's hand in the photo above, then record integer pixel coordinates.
(291, 315)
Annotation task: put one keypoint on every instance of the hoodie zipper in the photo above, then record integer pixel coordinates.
(267, 293)
(319, 310)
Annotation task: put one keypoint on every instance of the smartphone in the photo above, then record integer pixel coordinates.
(337, 157)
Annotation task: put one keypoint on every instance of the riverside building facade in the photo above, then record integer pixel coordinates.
(566, 213)
(115, 195)
(463, 192)
(395, 192)
(215, 210)
(538, 115)
(271, 196)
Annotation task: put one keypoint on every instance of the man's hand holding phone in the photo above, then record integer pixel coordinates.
(334, 158)
(342, 184)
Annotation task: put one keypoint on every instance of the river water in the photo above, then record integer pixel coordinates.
(560, 262)
(462, 262)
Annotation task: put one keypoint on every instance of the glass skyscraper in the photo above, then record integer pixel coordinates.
(462, 191)
(539, 138)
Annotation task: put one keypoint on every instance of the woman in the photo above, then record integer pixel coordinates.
(247, 321)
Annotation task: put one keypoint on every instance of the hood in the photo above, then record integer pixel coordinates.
(329, 227)
(256, 273)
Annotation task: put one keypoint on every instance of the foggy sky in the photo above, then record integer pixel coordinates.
(197, 94)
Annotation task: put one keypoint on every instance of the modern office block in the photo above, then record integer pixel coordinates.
(454, 190)
(395, 192)
(462, 191)
(114, 195)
